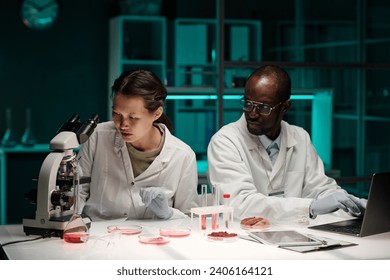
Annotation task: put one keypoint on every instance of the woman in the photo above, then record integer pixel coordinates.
(138, 169)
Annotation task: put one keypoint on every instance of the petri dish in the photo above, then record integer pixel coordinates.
(124, 229)
(255, 223)
(175, 232)
(153, 239)
(221, 236)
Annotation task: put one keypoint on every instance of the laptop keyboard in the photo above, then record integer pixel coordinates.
(352, 229)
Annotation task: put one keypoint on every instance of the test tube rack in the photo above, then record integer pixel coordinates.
(212, 211)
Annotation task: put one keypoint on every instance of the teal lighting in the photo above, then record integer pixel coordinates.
(191, 97)
(227, 97)
(302, 97)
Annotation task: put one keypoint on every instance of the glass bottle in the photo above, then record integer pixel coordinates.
(76, 231)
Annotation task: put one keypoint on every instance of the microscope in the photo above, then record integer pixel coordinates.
(55, 194)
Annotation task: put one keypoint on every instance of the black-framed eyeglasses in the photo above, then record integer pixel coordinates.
(261, 108)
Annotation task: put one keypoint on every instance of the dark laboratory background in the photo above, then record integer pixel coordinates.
(336, 51)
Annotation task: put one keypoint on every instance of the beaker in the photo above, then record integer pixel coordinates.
(76, 231)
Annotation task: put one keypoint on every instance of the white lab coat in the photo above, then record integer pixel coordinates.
(114, 192)
(238, 162)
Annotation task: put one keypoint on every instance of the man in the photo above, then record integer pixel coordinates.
(269, 167)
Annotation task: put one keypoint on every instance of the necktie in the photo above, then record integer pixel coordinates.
(273, 151)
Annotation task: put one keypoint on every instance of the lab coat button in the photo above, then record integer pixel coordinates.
(132, 183)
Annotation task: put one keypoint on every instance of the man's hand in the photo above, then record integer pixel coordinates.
(335, 201)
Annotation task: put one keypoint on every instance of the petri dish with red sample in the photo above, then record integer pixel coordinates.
(175, 232)
(221, 236)
(124, 229)
(75, 237)
(153, 239)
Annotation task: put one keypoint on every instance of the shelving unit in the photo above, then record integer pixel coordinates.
(136, 42)
(192, 101)
(195, 52)
(312, 110)
(194, 95)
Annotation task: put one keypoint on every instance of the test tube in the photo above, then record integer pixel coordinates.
(204, 204)
(214, 216)
(216, 193)
(204, 195)
(226, 216)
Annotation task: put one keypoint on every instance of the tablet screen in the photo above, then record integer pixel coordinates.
(283, 238)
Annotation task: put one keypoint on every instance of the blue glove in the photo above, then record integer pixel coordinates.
(156, 200)
(334, 202)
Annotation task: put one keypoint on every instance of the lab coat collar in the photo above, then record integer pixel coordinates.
(290, 137)
(118, 142)
(253, 142)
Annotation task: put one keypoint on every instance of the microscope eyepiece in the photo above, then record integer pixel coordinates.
(87, 128)
(82, 130)
(70, 124)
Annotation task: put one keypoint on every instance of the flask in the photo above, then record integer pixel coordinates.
(76, 231)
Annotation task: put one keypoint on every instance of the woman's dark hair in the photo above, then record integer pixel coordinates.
(146, 84)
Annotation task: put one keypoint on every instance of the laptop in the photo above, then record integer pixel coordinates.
(376, 217)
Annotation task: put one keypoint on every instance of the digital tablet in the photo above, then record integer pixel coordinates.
(285, 238)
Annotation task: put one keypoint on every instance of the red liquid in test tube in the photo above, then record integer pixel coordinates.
(214, 221)
(204, 204)
(204, 222)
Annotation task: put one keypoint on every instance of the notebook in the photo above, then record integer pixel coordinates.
(377, 215)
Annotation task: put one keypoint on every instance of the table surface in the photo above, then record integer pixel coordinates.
(102, 245)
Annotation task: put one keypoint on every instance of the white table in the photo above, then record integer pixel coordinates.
(193, 247)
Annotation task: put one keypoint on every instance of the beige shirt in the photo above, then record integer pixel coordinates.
(140, 160)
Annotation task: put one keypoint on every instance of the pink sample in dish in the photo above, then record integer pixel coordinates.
(175, 232)
(124, 229)
(153, 239)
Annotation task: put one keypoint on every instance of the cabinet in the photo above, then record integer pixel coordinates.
(136, 42)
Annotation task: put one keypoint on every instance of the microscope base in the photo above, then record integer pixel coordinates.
(54, 228)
